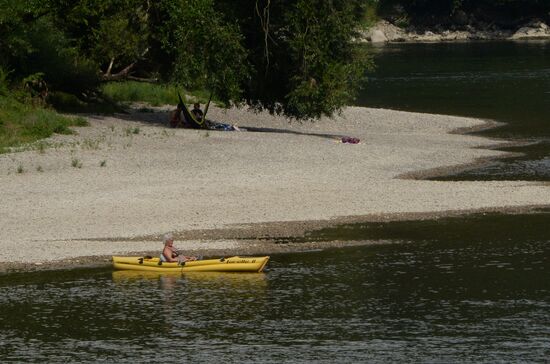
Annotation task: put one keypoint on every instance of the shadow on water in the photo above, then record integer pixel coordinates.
(533, 165)
(483, 228)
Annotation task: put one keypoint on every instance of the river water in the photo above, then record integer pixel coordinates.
(463, 289)
(504, 81)
(470, 289)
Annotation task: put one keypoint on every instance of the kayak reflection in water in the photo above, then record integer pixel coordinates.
(170, 254)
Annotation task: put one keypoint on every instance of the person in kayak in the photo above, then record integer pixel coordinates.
(170, 254)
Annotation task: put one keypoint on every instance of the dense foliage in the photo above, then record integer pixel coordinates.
(295, 57)
(501, 13)
(301, 54)
(291, 56)
(24, 122)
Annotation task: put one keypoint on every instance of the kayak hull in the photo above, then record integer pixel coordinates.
(232, 264)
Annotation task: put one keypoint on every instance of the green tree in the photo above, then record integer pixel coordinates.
(112, 33)
(293, 57)
(305, 63)
(31, 44)
(206, 51)
(436, 12)
(326, 67)
(118, 43)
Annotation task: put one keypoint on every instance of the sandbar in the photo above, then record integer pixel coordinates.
(116, 186)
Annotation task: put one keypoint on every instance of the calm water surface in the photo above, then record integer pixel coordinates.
(459, 289)
(503, 81)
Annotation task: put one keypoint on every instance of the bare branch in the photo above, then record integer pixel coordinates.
(120, 75)
(264, 20)
(108, 73)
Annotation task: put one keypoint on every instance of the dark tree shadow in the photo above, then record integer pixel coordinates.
(288, 131)
(153, 117)
(161, 119)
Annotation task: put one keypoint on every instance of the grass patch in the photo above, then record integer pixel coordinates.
(151, 93)
(23, 123)
(103, 163)
(129, 131)
(76, 163)
(91, 144)
(41, 147)
(132, 91)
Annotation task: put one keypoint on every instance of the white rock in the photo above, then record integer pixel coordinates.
(534, 30)
(378, 36)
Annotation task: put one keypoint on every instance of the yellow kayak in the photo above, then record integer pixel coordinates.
(232, 264)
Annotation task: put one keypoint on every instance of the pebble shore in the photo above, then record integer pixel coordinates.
(135, 179)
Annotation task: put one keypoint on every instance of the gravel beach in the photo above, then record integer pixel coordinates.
(117, 185)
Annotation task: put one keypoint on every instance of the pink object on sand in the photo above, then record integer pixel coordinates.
(350, 140)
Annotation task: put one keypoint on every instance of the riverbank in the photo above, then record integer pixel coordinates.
(119, 184)
(386, 32)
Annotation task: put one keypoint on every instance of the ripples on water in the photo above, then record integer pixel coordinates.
(459, 290)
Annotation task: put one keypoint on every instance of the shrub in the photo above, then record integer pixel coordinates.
(62, 68)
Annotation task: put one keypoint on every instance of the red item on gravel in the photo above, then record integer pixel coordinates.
(350, 140)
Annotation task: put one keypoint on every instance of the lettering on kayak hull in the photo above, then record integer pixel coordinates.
(241, 261)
